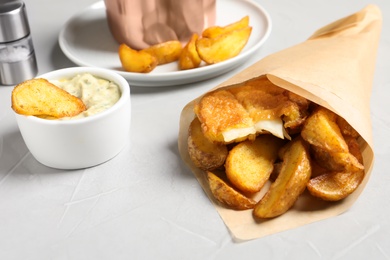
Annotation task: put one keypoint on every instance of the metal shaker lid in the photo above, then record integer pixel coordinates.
(13, 21)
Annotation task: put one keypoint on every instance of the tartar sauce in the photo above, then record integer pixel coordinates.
(97, 94)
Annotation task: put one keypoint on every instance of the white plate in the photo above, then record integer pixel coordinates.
(86, 40)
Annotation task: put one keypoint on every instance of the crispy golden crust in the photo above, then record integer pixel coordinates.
(203, 153)
(227, 195)
(39, 97)
(289, 184)
(219, 111)
(236, 112)
(321, 130)
(224, 46)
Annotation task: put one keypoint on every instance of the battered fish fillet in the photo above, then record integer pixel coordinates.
(239, 113)
(220, 112)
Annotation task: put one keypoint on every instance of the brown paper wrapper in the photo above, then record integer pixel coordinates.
(333, 68)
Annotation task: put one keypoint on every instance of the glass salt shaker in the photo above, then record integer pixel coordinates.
(17, 56)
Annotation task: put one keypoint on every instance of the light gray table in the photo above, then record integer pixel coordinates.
(145, 203)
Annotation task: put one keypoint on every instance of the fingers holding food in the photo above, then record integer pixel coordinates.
(39, 97)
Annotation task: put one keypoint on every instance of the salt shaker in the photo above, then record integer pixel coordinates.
(17, 56)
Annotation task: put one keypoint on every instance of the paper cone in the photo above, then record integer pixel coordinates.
(333, 68)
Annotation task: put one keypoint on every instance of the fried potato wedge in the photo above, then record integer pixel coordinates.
(227, 195)
(136, 61)
(289, 184)
(334, 186)
(39, 97)
(189, 57)
(346, 129)
(215, 31)
(321, 130)
(344, 162)
(165, 52)
(249, 164)
(205, 154)
(223, 47)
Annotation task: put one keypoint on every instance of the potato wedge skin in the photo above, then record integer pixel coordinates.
(337, 185)
(290, 183)
(227, 195)
(321, 130)
(189, 57)
(205, 154)
(215, 31)
(336, 161)
(165, 52)
(223, 47)
(250, 163)
(39, 97)
(136, 61)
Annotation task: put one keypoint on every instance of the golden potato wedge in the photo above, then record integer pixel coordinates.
(165, 52)
(290, 183)
(189, 57)
(223, 47)
(205, 154)
(215, 31)
(334, 186)
(344, 162)
(227, 195)
(136, 61)
(321, 130)
(345, 128)
(39, 97)
(250, 163)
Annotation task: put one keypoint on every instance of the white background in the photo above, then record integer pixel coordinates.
(145, 203)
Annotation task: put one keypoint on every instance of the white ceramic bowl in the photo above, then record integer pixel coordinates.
(83, 142)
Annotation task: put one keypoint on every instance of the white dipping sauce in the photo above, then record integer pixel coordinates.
(97, 94)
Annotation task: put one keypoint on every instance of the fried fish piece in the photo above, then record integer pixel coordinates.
(239, 113)
(220, 114)
(39, 97)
